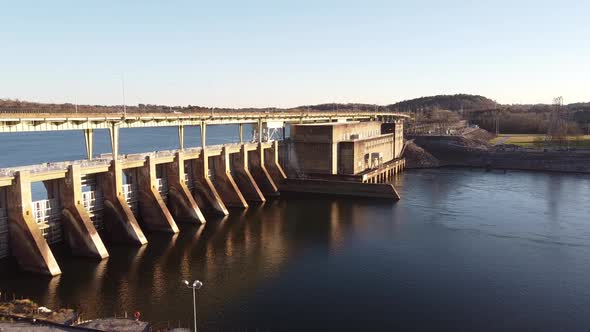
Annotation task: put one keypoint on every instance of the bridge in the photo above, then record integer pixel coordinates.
(122, 196)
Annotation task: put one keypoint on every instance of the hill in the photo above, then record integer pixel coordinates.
(445, 102)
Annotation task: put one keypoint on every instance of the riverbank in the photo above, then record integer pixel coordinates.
(437, 151)
(26, 315)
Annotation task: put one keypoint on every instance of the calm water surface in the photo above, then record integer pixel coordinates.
(463, 250)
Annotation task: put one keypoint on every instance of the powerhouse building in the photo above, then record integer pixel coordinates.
(346, 148)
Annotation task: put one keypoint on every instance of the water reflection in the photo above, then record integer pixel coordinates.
(502, 237)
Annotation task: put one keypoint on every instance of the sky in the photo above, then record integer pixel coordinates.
(289, 53)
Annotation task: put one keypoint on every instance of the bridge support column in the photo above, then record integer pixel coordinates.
(181, 203)
(205, 193)
(243, 177)
(79, 231)
(152, 208)
(27, 242)
(260, 173)
(224, 181)
(241, 129)
(114, 132)
(89, 138)
(271, 161)
(203, 134)
(181, 137)
(120, 223)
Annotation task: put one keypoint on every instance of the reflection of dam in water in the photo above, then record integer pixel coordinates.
(234, 254)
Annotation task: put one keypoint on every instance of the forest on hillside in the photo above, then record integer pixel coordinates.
(479, 110)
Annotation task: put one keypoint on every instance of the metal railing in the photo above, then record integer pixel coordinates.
(47, 214)
(130, 194)
(162, 186)
(93, 201)
(54, 166)
(31, 108)
(190, 182)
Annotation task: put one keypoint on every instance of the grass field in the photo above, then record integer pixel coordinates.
(538, 140)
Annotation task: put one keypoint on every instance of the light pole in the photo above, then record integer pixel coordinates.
(195, 286)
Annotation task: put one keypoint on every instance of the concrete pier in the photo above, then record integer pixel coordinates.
(79, 230)
(272, 165)
(205, 193)
(152, 208)
(28, 244)
(181, 202)
(243, 177)
(260, 173)
(120, 223)
(224, 182)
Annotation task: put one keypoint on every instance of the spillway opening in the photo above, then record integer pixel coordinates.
(93, 200)
(162, 182)
(131, 189)
(189, 175)
(47, 210)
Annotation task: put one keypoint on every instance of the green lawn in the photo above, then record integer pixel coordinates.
(538, 140)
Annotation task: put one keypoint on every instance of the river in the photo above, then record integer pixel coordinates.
(463, 249)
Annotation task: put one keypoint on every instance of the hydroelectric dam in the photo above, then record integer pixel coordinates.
(117, 197)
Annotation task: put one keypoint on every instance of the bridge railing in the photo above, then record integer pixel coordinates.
(54, 166)
(130, 192)
(93, 201)
(71, 109)
(47, 214)
(162, 187)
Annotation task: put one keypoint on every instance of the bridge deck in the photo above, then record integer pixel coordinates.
(25, 122)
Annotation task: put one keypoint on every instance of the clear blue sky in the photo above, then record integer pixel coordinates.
(288, 53)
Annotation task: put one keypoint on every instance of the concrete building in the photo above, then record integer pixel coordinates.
(346, 148)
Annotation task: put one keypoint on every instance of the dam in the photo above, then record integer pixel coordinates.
(117, 197)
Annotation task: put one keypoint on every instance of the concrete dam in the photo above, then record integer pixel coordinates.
(116, 197)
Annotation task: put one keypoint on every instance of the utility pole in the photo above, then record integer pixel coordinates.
(123, 88)
(496, 118)
(556, 124)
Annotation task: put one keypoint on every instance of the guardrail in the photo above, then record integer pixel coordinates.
(54, 166)
(134, 112)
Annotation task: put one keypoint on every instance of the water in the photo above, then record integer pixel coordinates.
(464, 250)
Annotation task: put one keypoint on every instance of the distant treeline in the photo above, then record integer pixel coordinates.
(477, 109)
(442, 102)
(538, 121)
(445, 102)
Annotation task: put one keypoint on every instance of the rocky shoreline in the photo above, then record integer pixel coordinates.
(438, 151)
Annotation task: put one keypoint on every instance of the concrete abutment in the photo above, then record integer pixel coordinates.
(260, 173)
(224, 182)
(28, 245)
(205, 194)
(243, 177)
(79, 231)
(273, 167)
(120, 223)
(152, 208)
(181, 202)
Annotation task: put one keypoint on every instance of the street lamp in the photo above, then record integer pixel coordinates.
(195, 285)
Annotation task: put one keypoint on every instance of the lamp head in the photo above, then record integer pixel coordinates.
(185, 282)
(197, 284)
